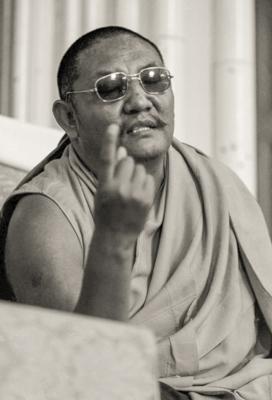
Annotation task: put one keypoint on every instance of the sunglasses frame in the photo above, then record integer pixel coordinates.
(128, 77)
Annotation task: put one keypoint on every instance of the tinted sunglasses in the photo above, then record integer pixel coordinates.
(112, 87)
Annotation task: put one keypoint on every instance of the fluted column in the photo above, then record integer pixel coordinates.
(19, 79)
(72, 10)
(234, 87)
(97, 13)
(127, 14)
(164, 22)
(41, 44)
(6, 54)
(33, 44)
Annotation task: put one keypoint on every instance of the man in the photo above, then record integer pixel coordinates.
(124, 222)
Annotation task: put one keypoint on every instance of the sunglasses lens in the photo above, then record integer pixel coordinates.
(112, 87)
(155, 80)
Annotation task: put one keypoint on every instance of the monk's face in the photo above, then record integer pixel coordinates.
(146, 120)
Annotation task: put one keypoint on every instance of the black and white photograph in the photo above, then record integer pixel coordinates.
(135, 199)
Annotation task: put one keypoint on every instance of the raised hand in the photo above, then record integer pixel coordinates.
(125, 192)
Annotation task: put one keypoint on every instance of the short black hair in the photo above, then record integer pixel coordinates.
(68, 67)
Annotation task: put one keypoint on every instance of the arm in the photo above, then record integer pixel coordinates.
(44, 257)
(45, 266)
(123, 200)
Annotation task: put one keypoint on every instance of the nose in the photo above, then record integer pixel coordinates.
(136, 100)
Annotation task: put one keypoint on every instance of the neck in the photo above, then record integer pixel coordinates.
(156, 168)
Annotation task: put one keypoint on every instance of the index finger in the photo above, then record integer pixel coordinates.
(108, 153)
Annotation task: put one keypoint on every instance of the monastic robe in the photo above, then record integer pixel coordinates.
(202, 275)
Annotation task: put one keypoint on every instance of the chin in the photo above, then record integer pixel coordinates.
(148, 145)
(148, 153)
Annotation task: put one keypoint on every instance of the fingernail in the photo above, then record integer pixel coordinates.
(121, 153)
(113, 129)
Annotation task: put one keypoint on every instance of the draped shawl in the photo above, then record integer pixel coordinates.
(205, 263)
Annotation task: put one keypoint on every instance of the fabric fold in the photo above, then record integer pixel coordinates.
(202, 277)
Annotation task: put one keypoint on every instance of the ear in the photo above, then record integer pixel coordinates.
(64, 115)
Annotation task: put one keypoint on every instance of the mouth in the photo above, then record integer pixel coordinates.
(141, 127)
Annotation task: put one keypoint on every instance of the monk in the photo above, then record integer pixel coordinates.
(123, 221)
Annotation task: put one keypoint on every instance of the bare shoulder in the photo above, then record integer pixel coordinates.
(43, 255)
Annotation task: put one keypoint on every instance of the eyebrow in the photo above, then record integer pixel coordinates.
(104, 72)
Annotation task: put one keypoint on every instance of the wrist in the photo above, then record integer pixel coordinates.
(115, 240)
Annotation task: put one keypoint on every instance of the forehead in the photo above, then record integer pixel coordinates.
(123, 53)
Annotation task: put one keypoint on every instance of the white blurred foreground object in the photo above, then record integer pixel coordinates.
(24, 145)
(52, 355)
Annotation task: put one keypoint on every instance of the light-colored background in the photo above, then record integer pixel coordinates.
(208, 46)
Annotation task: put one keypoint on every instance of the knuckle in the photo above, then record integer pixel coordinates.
(148, 201)
(136, 195)
(123, 192)
(129, 161)
(140, 198)
(139, 174)
(140, 169)
(126, 162)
